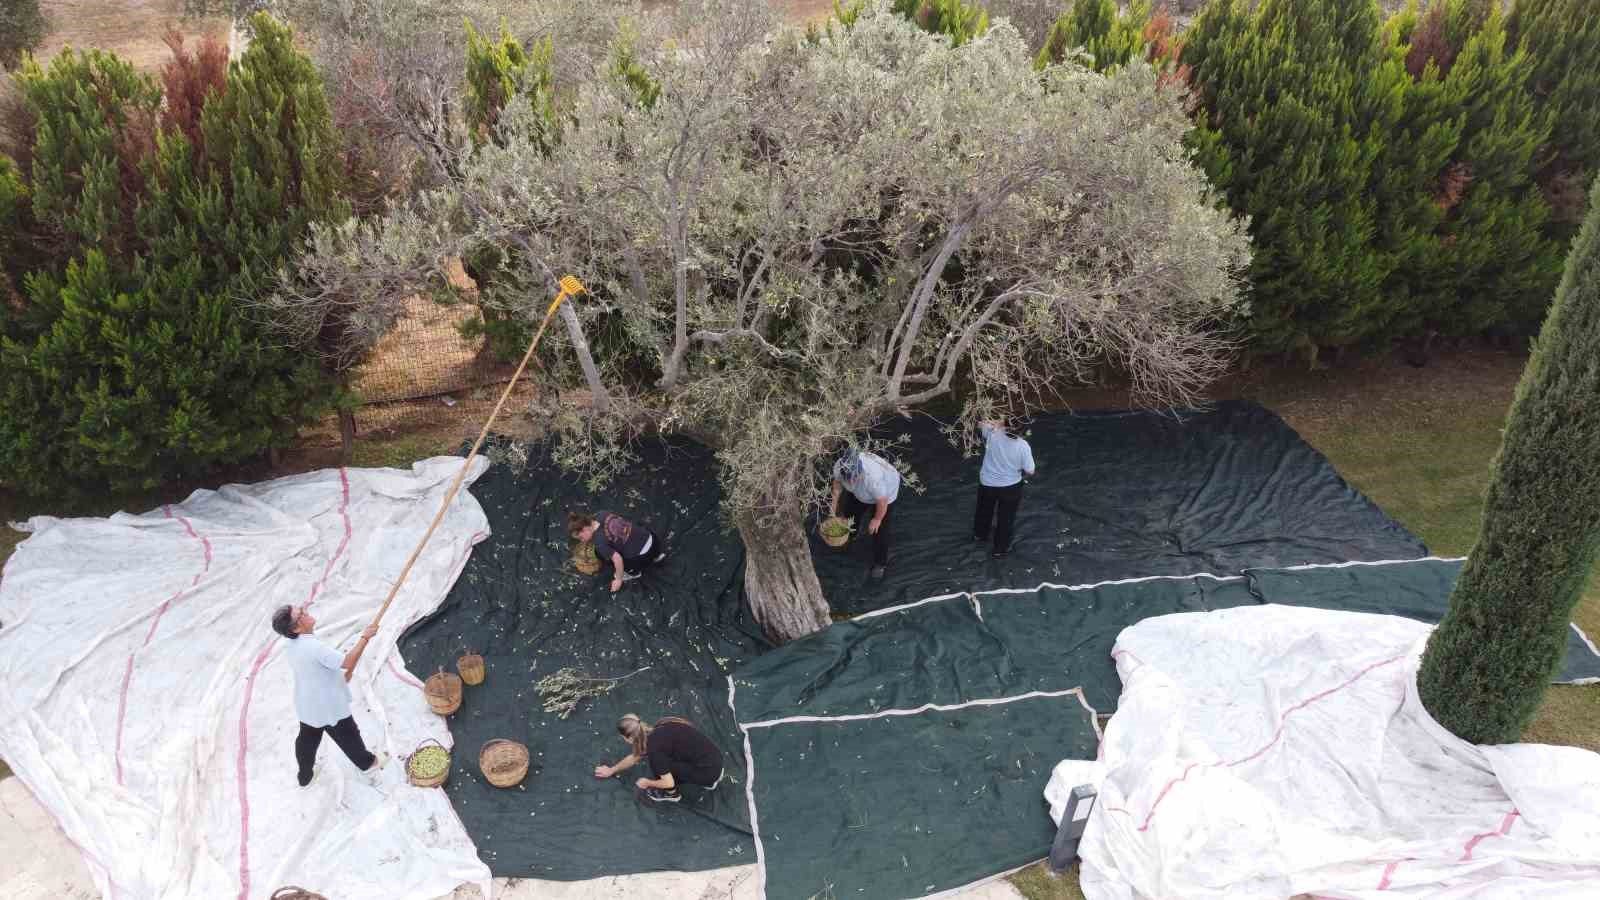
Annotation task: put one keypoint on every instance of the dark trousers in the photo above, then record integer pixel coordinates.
(1005, 500)
(851, 508)
(634, 565)
(345, 734)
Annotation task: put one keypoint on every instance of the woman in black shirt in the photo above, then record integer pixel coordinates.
(678, 753)
(628, 547)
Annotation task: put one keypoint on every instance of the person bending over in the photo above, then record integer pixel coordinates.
(873, 485)
(322, 693)
(678, 753)
(628, 547)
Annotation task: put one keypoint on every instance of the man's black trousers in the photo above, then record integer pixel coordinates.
(345, 734)
(1003, 500)
(851, 508)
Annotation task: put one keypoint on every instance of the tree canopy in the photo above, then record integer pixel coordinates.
(788, 237)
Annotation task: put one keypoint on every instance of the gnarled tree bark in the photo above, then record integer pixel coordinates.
(779, 579)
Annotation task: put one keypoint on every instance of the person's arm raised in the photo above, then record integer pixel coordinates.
(354, 656)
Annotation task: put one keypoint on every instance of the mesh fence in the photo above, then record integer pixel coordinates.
(426, 356)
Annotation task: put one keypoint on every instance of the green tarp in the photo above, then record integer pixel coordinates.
(1118, 496)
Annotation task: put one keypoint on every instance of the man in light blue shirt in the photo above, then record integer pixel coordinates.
(1006, 460)
(322, 694)
(873, 484)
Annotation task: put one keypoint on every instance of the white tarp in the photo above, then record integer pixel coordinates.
(1275, 751)
(147, 704)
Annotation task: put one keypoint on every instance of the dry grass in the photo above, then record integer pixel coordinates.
(131, 28)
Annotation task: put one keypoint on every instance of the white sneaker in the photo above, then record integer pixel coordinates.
(373, 774)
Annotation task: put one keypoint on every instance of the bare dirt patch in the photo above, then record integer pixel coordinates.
(132, 29)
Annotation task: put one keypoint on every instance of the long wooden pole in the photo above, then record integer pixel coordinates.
(569, 286)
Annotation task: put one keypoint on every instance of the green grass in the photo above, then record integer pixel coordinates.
(1036, 883)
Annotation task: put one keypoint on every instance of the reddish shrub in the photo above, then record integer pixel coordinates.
(188, 80)
(1453, 183)
(1429, 41)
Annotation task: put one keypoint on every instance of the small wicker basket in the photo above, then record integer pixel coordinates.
(432, 780)
(443, 691)
(295, 893)
(835, 524)
(504, 763)
(470, 665)
(584, 559)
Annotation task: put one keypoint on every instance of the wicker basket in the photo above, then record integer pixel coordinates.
(833, 540)
(504, 763)
(295, 893)
(584, 559)
(470, 665)
(434, 781)
(443, 691)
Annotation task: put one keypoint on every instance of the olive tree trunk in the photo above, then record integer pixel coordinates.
(779, 579)
(1490, 661)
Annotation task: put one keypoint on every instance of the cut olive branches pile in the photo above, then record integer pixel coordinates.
(564, 689)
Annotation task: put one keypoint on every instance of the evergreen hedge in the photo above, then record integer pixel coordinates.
(131, 356)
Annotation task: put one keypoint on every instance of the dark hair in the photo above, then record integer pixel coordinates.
(283, 622)
(578, 521)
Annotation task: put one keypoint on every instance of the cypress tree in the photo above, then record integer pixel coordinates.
(1109, 37)
(499, 69)
(1488, 663)
(1297, 100)
(958, 20)
(22, 27)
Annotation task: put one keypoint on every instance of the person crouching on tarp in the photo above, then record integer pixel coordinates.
(873, 485)
(678, 754)
(322, 694)
(1007, 459)
(630, 548)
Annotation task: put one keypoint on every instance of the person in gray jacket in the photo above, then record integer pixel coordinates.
(873, 485)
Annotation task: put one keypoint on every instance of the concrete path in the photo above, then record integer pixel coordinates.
(38, 863)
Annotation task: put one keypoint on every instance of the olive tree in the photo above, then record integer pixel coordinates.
(796, 236)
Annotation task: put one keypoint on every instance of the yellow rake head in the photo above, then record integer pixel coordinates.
(571, 285)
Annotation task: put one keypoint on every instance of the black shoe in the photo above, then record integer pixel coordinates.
(999, 554)
(877, 573)
(661, 796)
(980, 538)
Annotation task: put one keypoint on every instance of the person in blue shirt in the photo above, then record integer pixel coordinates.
(1007, 459)
(322, 695)
(873, 485)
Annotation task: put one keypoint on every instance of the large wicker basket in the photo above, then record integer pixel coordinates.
(295, 893)
(443, 691)
(504, 763)
(584, 559)
(432, 780)
(470, 665)
(837, 523)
